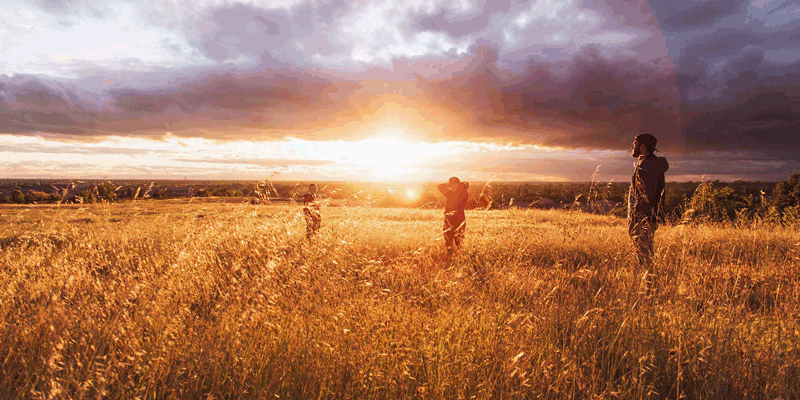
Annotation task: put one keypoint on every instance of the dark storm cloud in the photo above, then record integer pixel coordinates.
(750, 104)
(597, 103)
(214, 102)
(283, 100)
(229, 32)
(723, 92)
(266, 36)
(737, 90)
(262, 163)
(689, 14)
(457, 24)
(75, 148)
(768, 119)
(308, 15)
(748, 166)
(723, 42)
(594, 103)
(31, 103)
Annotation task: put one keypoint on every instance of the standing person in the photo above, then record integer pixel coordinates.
(456, 197)
(311, 210)
(645, 197)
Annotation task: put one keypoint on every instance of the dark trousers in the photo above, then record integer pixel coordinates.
(313, 222)
(453, 232)
(642, 231)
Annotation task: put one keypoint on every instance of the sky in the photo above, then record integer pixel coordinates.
(380, 90)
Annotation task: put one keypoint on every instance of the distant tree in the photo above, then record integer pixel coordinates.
(673, 202)
(86, 196)
(786, 193)
(17, 196)
(783, 204)
(714, 202)
(107, 190)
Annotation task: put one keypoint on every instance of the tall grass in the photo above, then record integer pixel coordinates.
(191, 300)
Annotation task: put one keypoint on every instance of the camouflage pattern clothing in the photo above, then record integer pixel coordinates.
(311, 211)
(645, 205)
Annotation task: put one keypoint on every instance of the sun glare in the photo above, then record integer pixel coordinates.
(386, 157)
(412, 194)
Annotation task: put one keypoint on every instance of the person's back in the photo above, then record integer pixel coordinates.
(456, 198)
(456, 202)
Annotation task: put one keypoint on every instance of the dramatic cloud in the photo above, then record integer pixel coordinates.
(737, 69)
(706, 77)
(689, 14)
(595, 103)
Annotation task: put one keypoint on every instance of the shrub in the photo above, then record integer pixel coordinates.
(17, 196)
(714, 203)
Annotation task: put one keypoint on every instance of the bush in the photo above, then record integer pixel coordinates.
(17, 196)
(791, 214)
(712, 203)
(786, 193)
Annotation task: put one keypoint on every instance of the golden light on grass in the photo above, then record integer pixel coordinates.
(158, 299)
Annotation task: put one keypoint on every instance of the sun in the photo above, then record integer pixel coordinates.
(387, 157)
(411, 194)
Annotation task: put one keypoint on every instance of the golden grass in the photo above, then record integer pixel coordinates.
(200, 300)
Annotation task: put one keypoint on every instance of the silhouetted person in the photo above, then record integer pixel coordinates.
(311, 211)
(645, 197)
(456, 197)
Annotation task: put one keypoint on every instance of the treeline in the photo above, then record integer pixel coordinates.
(710, 200)
(716, 201)
(684, 201)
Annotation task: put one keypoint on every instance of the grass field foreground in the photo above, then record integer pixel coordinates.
(178, 299)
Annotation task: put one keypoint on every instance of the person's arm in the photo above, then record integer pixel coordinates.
(443, 188)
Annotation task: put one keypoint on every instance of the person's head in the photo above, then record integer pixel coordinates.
(453, 183)
(312, 188)
(643, 144)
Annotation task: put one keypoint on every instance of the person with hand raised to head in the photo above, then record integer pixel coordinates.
(456, 197)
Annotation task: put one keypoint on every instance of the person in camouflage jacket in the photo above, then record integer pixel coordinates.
(645, 197)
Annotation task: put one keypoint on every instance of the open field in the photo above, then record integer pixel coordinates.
(193, 299)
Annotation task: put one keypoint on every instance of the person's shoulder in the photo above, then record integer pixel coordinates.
(308, 197)
(655, 164)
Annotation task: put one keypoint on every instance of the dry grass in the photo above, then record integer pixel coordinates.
(175, 300)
